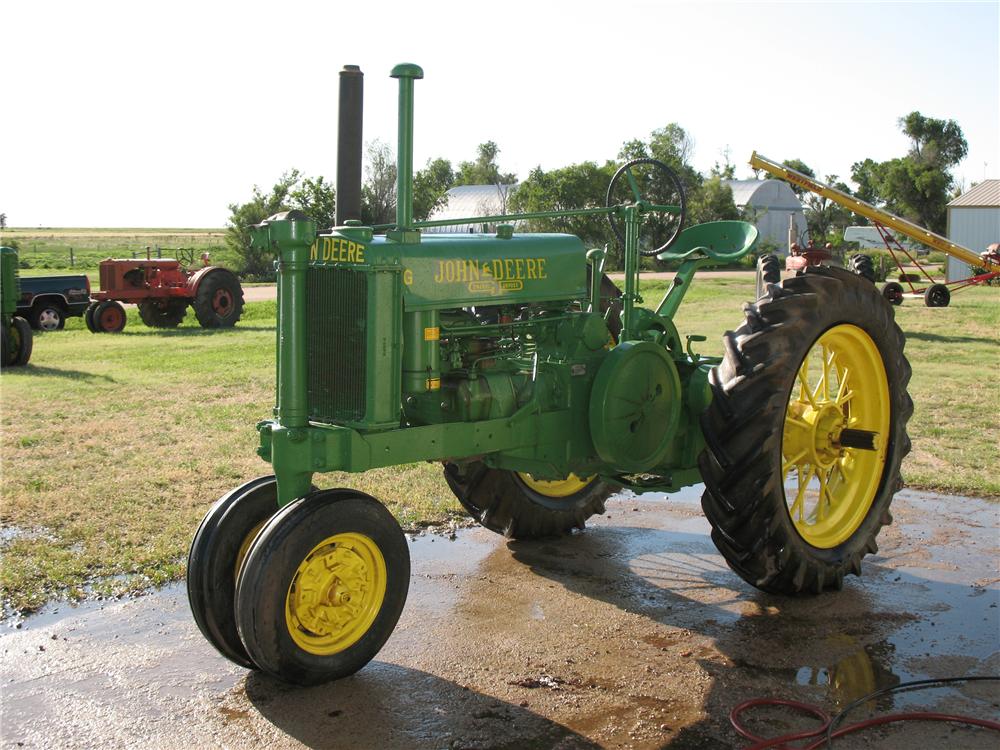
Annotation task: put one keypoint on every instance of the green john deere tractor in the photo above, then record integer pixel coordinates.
(541, 389)
(15, 332)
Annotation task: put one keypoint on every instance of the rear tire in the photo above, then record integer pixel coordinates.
(937, 295)
(219, 300)
(503, 502)
(756, 417)
(163, 313)
(863, 266)
(322, 587)
(768, 272)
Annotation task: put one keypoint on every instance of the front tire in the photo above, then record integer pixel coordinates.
(108, 317)
(217, 553)
(18, 341)
(322, 587)
(802, 458)
(522, 507)
(47, 317)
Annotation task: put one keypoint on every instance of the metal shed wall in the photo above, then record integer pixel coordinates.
(974, 228)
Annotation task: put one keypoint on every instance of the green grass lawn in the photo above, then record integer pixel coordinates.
(114, 446)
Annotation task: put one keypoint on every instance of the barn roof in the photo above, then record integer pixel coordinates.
(984, 195)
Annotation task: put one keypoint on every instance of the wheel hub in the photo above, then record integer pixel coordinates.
(815, 433)
(336, 593)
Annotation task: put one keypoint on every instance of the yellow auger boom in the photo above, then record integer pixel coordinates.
(886, 219)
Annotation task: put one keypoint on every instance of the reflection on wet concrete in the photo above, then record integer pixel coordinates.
(632, 634)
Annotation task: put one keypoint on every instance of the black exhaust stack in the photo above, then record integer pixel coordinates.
(352, 83)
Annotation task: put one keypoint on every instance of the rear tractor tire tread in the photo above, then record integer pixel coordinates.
(163, 313)
(218, 287)
(863, 266)
(744, 499)
(503, 503)
(768, 272)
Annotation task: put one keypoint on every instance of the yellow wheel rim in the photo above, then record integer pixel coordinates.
(841, 385)
(241, 553)
(556, 487)
(336, 593)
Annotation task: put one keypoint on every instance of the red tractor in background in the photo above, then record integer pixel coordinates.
(163, 288)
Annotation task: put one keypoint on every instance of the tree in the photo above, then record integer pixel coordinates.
(378, 192)
(672, 145)
(258, 263)
(484, 170)
(318, 199)
(713, 202)
(315, 197)
(582, 185)
(430, 187)
(799, 166)
(3, 221)
(916, 186)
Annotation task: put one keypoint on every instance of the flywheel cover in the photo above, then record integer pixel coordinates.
(635, 406)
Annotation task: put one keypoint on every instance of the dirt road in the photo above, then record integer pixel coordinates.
(633, 634)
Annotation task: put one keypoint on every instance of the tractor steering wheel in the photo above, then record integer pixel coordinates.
(648, 182)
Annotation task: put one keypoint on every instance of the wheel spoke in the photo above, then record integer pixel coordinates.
(786, 467)
(822, 495)
(801, 494)
(632, 185)
(804, 383)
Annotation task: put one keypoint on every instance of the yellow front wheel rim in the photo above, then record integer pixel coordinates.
(556, 487)
(335, 594)
(840, 385)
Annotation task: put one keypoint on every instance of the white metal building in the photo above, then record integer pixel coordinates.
(466, 201)
(973, 222)
(770, 205)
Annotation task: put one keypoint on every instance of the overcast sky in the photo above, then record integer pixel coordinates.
(156, 114)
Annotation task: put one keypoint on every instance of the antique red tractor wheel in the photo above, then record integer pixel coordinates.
(806, 432)
(107, 317)
(322, 587)
(218, 302)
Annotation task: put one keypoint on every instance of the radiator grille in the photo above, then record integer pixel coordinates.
(337, 313)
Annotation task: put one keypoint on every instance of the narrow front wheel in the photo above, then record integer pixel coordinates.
(322, 587)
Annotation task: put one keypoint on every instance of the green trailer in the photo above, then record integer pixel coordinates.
(15, 347)
(541, 389)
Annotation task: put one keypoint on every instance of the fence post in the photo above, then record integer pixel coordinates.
(72, 264)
